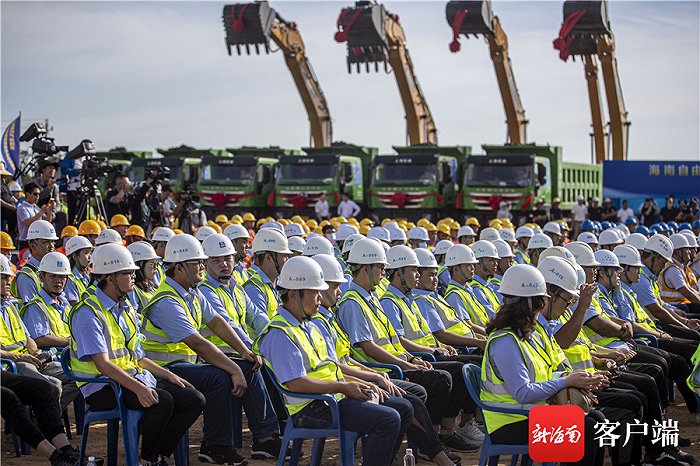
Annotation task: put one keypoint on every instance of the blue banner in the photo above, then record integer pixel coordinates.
(10, 146)
(623, 179)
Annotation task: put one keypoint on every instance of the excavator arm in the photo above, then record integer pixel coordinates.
(254, 24)
(619, 122)
(476, 18)
(375, 36)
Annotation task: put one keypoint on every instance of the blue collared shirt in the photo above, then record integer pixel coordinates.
(257, 298)
(26, 287)
(70, 290)
(220, 309)
(444, 279)
(352, 319)
(391, 310)
(482, 298)
(326, 331)
(428, 311)
(25, 210)
(456, 302)
(621, 307)
(36, 321)
(644, 287)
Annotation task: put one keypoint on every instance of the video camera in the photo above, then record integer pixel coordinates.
(160, 175)
(42, 146)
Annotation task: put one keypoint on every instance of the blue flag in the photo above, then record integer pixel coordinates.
(10, 146)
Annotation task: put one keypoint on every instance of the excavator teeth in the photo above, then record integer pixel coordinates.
(349, 67)
(376, 67)
(267, 48)
(238, 49)
(257, 49)
(367, 66)
(247, 49)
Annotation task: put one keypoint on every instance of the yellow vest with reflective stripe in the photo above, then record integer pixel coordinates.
(383, 285)
(90, 290)
(143, 296)
(158, 345)
(592, 335)
(654, 284)
(452, 322)
(579, 352)
(30, 271)
(56, 324)
(12, 337)
(493, 389)
(340, 339)
(490, 295)
(120, 351)
(476, 311)
(668, 294)
(317, 364)
(519, 252)
(693, 379)
(77, 283)
(241, 276)
(270, 296)
(234, 312)
(414, 325)
(640, 315)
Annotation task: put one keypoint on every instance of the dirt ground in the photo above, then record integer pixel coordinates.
(98, 444)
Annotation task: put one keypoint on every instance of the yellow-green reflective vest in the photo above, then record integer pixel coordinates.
(317, 364)
(241, 276)
(694, 377)
(592, 335)
(524, 256)
(414, 325)
(30, 271)
(579, 352)
(476, 311)
(143, 296)
(340, 338)
(12, 337)
(640, 315)
(158, 345)
(90, 290)
(120, 351)
(490, 295)
(383, 333)
(381, 288)
(452, 322)
(54, 318)
(559, 361)
(654, 284)
(77, 283)
(234, 311)
(266, 289)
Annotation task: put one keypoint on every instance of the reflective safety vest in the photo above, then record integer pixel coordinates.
(241, 276)
(12, 337)
(317, 364)
(521, 256)
(654, 284)
(30, 271)
(160, 272)
(77, 283)
(693, 379)
(452, 322)
(592, 335)
(158, 345)
(143, 296)
(54, 318)
(234, 311)
(559, 361)
(640, 315)
(382, 286)
(383, 333)
(476, 311)
(340, 338)
(266, 289)
(120, 350)
(493, 389)
(579, 352)
(690, 276)
(414, 325)
(90, 290)
(490, 295)
(668, 294)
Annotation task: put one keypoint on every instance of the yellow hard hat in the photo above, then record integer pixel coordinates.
(366, 221)
(248, 217)
(119, 220)
(69, 230)
(364, 229)
(136, 230)
(259, 223)
(444, 228)
(6, 241)
(336, 223)
(473, 221)
(236, 218)
(221, 218)
(306, 228)
(353, 221)
(410, 225)
(283, 221)
(323, 224)
(454, 225)
(235, 221)
(311, 223)
(495, 222)
(318, 231)
(89, 227)
(101, 224)
(177, 231)
(297, 219)
(226, 225)
(430, 227)
(422, 222)
(341, 219)
(216, 227)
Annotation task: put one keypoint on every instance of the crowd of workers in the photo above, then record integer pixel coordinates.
(186, 322)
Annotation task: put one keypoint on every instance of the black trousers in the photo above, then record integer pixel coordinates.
(421, 431)
(623, 406)
(19, 390)
(458, 380)
(163, 424)
(438, 384)
(674, 366)
(680, 332)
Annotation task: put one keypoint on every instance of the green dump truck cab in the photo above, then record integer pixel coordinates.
(183, 163)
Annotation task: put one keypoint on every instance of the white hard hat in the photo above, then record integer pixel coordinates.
(142, 251)
(552, 227)
(523, 280)
(637, 240)
(344, 231)
(460, 254)
(540, 241)
(442, 247)
(622, 231)
(56, 263)
(76, 243)
(270, 240)
(349, 241)
(379, 233)
(419, 234)
(204, 232)
(108, 236)
(385, 246)
(606, 258)
(609, 236)
(401, 256)
(318, 245)
(112, 258)
(560, 252)
(507, 235)
(41, 229)
(396, 234)
(660, 245)
(692, 240)
(234, 232)
(465, 230)
(162, 234)
(582, 253)
(559, 272)
(391, 224)
(504, 249)
(483, 248)
(587, 237)
(296, 243)
(524, 232)
(218, 245)
(367, 251)
(294, 229)
(301, 273)
(426, 258)
(273, 224)
(627, 255)
(489, 234)
(5, 266)
(679, 241)
(330, 267)
(183, 248)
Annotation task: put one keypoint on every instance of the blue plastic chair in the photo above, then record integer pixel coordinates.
(297, 435)
(490, 452)
(424, 356)
(129, 419)
(21, 447)
(393, 369)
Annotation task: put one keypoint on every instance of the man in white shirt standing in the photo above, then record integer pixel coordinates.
(579, 212)
(348, 208)
(625, 212)
(321, 208)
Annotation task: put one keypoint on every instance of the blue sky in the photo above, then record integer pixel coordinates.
(156, 74)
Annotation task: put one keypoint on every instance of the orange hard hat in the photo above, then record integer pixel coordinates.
(89, 227)
(136, 230)
(118, 220)
(69, 230)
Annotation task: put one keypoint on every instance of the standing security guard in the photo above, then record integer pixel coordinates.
(270, 251)
(240, 238)
(79, 251)
(41, 236)
(460, 259)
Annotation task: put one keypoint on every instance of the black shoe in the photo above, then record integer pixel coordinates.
(269, 449)
(58, 458)
(680, 455)
(683, 441)
(219, 454)
(459, 443)
(454, 457)
(664, 459)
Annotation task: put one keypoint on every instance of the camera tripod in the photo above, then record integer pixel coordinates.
(86, 196)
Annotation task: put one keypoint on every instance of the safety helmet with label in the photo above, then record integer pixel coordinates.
(660, 245)
(465, 230)
(483, 248)
(401, 256)
(636, 240)
(426, 258)
(332, 273)
(523, 281)
(587, 237)
(460, 254)
(345, 230)
(692, 241)
(418, 234)
(524, 232)
(539, 241)
(162, 234)
(679, 241)
(301, 273)
(558, 251)
(442, 247)
(204, 232)
(218, 245)
(627, 255)
(293, 229)
(622, 232)
(559, 272)
(76, 243)
(296, 244)
(349, 241)
(41, 229)
(270, 240)
(367, 251)
(504, 249)
(273, 224)
(108, 236)
(234, 232)
(507, 235)
(582, 253)
(118, 220)
(5, 266)
(489, 234)
(56, 263)
(607, 258)
(183, 248)
(142, 251)
(379, 233)
(318, 245)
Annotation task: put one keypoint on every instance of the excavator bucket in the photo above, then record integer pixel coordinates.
(363, 28)
(588, 20)
(470, 17)
(248, 24)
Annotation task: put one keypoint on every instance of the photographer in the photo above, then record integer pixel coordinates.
(50, 192)
(119, 198)
(28, 212)
(146, 207)
(188, 212)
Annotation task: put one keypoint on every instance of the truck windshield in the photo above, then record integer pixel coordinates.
(513, 176)
(139, 173)
(228, 174)
(425, 174)
(303, 173)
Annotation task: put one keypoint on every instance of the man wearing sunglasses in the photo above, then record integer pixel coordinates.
(28, 212)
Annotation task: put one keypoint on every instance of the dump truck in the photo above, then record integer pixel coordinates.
(183, 163)
(340, 169)
(243, 178)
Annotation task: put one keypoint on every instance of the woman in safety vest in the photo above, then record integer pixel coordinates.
(146, 260)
